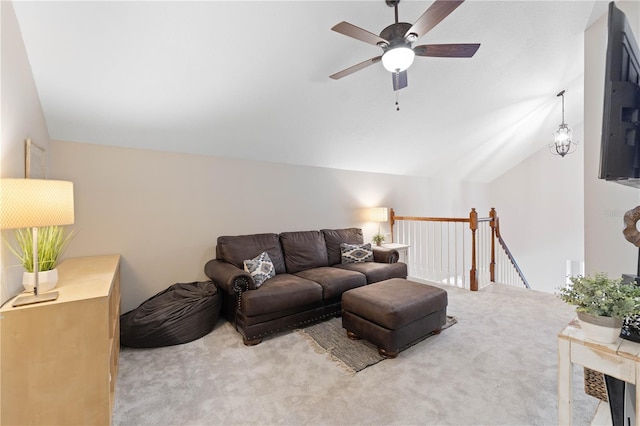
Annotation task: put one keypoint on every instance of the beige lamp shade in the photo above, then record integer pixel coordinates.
(379, 214)
(26, 203)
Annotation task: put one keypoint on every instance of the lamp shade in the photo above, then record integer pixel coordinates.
(28, 203)
(379, 214)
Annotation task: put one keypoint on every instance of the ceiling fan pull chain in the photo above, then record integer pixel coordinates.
(397, 100)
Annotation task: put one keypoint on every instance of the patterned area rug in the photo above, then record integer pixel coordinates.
(355, 355)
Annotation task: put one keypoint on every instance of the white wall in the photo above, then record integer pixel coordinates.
(605, 203)
(163, 211)
(540, 203)
(21, 118)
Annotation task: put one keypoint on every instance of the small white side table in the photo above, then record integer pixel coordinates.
(620, 360)
(403, 250)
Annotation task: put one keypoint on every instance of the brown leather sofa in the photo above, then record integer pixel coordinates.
(308, 283)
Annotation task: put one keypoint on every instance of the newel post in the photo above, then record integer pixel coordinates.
(392, 221)
(492, 266)
(473, 224)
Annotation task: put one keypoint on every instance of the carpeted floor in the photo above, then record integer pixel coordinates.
(496, 366)
(329, 338)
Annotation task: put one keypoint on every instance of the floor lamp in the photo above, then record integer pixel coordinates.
(33, 203)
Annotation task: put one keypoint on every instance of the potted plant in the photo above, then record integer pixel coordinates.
(602, 304)
(378, 239)
(52, 241)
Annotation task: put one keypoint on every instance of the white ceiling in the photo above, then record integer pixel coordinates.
(249, 79)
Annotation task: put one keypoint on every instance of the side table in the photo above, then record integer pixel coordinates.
(620, 360)
(403, 250)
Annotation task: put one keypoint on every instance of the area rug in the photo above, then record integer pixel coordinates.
(354, 355)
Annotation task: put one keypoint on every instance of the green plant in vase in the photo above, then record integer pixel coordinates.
(378, 239)
(52, 242)
(601, 301)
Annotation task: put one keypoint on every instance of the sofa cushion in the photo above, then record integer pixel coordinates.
(260, 268)
(237, 249)
(334, 237)
(356, 253)
(303, 250)
(375, 271)
(334, 281)
(280, 293)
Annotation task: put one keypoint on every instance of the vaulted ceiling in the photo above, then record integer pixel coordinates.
(249, 79)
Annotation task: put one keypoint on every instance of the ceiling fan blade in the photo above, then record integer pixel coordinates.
(447, 50)
(358, 33)
(399, 80)
(354, 68)
(439, 10)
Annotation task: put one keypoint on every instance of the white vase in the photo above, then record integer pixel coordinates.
(47, 280)
(600, 329)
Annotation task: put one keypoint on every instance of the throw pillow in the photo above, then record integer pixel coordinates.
(356, 253)
(260, 268)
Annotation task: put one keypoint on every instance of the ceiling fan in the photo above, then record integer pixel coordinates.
(396, 40)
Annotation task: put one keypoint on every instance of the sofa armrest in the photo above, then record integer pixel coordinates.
(385, 255)
(228, 277)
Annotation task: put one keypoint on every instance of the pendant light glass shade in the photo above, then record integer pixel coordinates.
(563, 143)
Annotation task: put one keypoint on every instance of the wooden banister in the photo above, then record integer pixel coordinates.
(493, 225)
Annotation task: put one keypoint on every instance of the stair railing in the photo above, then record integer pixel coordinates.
(442, 250)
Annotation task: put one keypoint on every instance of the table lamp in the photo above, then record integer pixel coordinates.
(379, 214)
(32, 203)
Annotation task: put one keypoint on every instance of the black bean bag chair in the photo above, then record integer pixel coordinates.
(181, 313)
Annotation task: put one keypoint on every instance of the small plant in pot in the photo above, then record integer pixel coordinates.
(378, 239)
(52, 241)
(602, 304)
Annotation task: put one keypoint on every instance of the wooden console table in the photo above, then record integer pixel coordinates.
(59, 359)
(620, 360)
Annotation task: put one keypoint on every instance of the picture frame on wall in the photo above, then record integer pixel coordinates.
(36, 161)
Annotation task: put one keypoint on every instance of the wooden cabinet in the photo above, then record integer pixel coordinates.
(59, 359)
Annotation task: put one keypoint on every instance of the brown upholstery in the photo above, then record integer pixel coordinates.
(307, 286)
(303, 250)
(282, 292)
(375, 271)
(334, 237)
(237, 249)
(334, 281)
(393, 314)
(394, 303)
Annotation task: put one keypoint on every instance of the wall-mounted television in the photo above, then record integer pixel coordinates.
(620, 145)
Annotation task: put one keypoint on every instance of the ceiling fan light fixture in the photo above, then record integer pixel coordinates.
(398, 59)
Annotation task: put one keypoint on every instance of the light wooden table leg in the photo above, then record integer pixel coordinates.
(565, 383)
(637, 393)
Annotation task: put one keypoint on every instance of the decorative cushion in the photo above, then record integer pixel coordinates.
(235, 249)
(356, 253)
(334, 237)
(261, 268)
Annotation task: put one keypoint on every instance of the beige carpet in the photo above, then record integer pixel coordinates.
(496, 366)
(330, 339)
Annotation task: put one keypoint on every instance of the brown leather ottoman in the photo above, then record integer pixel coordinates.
(394, 313)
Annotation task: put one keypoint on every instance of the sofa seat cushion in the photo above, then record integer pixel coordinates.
(375, 271)
(334, 281)
(303, 250)
(334, 237)
(280, 293)
(236, 249)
